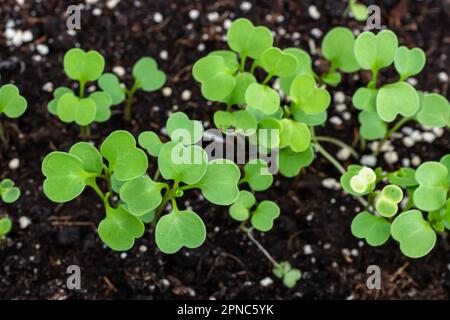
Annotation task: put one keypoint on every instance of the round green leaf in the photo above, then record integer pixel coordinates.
(307, 96)
(141, 195)
(181, 129)
(12, 104)
(278, 63)
(294, 134)
(90, 157)
(257, 175)
(65, 177)
(434, 111)
(304, 66)
(8, 192)
(125, 160)
(237, 96)
(374, 52)
(103, 104)
(264, 215)
(248, 40)
(83, 66)
(292, 162)
(365, 99)
(219, 184)
(359, 11)
(405, 177)
(216, 78)
(387, 201)
(73, 109)
(240, 210)
(241, 119)
(57, 94)
(337, 47)
(150, 141)
(376, 230)
(110, 83)
(178, 229)
(5, 226)
(120, 229)
(231, 59)
(397, 98)
(183, 164)
(445, 160)
(147, 76)
(409, 62)
(309, 119)
(415, 235)
(433, 186)
(372, 127)
(262, 98)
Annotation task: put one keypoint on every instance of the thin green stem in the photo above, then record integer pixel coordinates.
(93, 184)
(339, 143)
(248, 232)
(391, 131)
(373, 84)
(253, 67)
(267, 79)
(130, 96)
(157, 174)
(242, 66)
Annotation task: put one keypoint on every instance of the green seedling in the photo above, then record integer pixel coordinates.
(12, 105)
(147, 77)
(9, 193)
(289, 275)
(5, 227)
(252, 104)
(398, 101)
(386, 214)
(358, 10)
(337, 47)
(182, 165)
(68, 106)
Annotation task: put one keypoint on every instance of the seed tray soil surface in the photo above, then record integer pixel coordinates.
(313, 231)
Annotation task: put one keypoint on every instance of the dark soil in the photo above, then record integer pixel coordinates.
(33, 261)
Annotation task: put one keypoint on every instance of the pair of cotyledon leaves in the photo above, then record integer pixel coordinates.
(9, 193)
(261, 217)
(289, 275)
(414, 234)
(12, 104)
(87, 67)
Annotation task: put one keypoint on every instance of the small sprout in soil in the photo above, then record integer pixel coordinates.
(289, 275)
(147, 77)
(358, 10)
(12, 105)
(86, 67)
(9, 193)
(413, 223)
(182, 165)
(5, 227)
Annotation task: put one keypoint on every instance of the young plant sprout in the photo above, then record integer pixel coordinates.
(68, 106)
(358, 10)
(182, 165)
(9, 193)
(147, 77)
(397, 102)
(12, 105)
(252, 104)
(5, 227)
(413, 223)
(86, 67)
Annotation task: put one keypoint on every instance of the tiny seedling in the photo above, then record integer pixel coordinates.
(147, 77)
(68, 106)
(12, 105)
(5, 227)
(289, 275)
(9, 193)
(86, 67)
(183, 166)
(412, 220)
(357, 9)
(398, 101)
